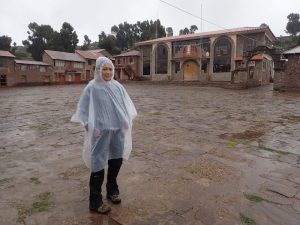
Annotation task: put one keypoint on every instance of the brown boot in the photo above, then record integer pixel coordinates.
(114, 198)
(102, 209)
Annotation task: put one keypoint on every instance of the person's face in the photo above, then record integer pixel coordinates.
(107, 72)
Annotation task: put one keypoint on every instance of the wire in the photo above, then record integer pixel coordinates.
(201, 18)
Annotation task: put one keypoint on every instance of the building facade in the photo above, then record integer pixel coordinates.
(90, 58)
(206, 57)
(68, 68)
(7, 63)
(32, 72)
(127, 65)
(287, 76)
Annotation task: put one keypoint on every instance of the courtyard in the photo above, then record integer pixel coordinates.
(201, 156)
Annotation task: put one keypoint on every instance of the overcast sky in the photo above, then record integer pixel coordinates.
(93, 16)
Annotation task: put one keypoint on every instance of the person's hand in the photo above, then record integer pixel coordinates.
(96, 132)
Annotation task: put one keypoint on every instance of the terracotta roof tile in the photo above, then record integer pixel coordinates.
(257, 57)
(238, 58)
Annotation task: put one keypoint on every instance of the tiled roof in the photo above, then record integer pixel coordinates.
(241, 30)
(129, 53)
(29, 62)
(295, 50)
(238, 58)
(257, 57)
(6, 54)
(89, 54)
(64, 56)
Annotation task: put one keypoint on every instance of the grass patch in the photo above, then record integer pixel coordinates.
(156, 113)
(261, 147)
(253, 198)
(231, 143)
(38, 127)
(247, 220)
(35, 180)
(41, 204)
(26, 113)
(173, 153)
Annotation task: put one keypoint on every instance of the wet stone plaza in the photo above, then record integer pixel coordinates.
(201, 156)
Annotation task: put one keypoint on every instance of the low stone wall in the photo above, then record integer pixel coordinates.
(288, 79)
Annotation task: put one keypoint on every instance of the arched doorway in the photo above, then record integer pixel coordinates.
(190, 70)
(222, 55)
(161, 59)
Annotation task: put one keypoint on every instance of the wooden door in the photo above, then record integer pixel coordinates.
(190, 70)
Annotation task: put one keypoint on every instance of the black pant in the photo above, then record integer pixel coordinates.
(96, 181)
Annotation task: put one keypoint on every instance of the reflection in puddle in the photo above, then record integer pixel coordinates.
(96, 219)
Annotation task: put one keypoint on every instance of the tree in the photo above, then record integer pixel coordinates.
(169, 31)
(108, 42)
(293, 25)
(69, 38)
(86, 43)
(39, 39)
(5, 42)
(193, 28)
(184, 31)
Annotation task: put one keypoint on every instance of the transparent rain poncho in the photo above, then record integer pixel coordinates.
(107, 112)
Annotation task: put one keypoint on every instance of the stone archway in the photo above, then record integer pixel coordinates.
(190, 70)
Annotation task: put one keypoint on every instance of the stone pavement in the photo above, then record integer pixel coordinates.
(202, 155)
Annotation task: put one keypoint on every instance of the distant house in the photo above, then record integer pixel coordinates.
(206, 57)
(103, 52)
(287, 77)
(90, 62)
(7, 76)
(127, 65)
(67, 67)
(32, 72)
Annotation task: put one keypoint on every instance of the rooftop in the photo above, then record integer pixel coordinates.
(64, 56)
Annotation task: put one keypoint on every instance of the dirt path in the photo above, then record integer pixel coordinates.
(202, 155)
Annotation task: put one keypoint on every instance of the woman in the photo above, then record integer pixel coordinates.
(106, 111)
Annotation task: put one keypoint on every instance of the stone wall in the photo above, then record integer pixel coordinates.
(288, 77)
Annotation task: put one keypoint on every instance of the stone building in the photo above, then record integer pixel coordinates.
(287, 76)
(90, 58)
(7, 63)
(32, 72)
(67, 67)
(127, 65)
(207, 56)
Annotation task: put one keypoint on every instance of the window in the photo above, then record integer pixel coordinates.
(78, 65)
(59, 63)
(89, 62)
(146, 60)
(24, 67)
(42, 69)
(131, 60)
(161, 60)
(3, 63)
(177, 67)
(32, 67)
(222, 56)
